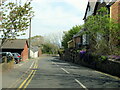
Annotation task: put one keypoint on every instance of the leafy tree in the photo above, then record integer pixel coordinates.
(54, 38)
(103, 31)
(49, 48)
(37, 40)
(69, 35)
(15, 19)
(45, 44)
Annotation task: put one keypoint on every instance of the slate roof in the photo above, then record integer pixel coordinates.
(14, 44)
(79, 33)
(90, 8)
(94, 5)
(34, 49)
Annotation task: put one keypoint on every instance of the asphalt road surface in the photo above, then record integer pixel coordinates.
(50, 72)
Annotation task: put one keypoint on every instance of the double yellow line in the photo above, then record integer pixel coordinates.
(26, 82)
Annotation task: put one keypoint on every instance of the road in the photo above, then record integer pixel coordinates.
(50, 72)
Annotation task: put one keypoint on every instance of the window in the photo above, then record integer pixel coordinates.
(85, 39)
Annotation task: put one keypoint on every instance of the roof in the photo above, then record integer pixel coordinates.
(90, 8)
(94, 5)
(34, 49)
(14, 44)
(105, 3)
(112, 2)
(70, 41)
(79, 33)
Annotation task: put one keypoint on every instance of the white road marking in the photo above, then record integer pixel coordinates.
(65, 70)
(58, 65)
(81, 84)
(55, 64)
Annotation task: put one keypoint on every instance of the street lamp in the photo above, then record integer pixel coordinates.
(29, 37)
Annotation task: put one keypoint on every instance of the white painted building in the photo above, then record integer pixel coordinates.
(34, 52)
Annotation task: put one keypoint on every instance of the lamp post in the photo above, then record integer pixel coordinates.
(29, 38)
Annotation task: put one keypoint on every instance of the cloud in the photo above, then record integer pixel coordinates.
(53, 15)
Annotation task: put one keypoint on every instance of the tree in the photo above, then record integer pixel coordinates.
(15, 19)
(37, 40)
(49, 48)
(103, 30)
(54, 38)
(69, 35)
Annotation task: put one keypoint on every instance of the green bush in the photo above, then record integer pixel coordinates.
(102, 58)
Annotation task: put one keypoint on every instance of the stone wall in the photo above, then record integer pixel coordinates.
(108, 66)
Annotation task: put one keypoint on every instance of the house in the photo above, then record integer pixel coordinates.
(113, 7)
(35, 52)
(78, 39)
(90, 9)
(16, 45)
(115, 10)
(94, 5)
(70, 44)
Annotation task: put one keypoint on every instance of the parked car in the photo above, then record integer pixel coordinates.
(8, 55)
(17, 57)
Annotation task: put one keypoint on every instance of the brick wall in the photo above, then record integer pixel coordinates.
(39, 52)
(77, 40)
(115, 11)
(24, 53)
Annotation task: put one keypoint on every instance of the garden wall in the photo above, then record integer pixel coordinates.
(7, 65)
(107, 66)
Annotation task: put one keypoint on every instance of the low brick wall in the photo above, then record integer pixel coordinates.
(7, 65)
(108, 66)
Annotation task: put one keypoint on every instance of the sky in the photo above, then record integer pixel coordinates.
(56, 16)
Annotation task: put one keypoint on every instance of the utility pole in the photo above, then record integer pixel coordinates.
(29, 38)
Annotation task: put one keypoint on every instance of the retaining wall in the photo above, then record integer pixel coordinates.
(108, 66)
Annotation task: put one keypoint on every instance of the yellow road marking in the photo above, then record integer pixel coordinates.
(30, 78)
(27, 78)
(20, 77)
(108, 75)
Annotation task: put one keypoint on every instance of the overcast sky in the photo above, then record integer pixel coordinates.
(52, 16)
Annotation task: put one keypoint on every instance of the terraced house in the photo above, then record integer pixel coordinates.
(113, 9)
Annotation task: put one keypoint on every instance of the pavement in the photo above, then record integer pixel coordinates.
(50, 72)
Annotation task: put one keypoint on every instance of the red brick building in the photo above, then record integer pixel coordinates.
(39, 52)
(115, 11)
(16, 46)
